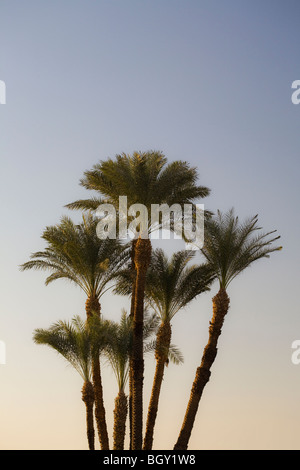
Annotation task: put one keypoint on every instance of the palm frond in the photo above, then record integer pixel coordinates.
(175, 355)
(74, 252)
(144, 178)
(231, 246)
(91, 204)
(71, 341)
(172, 284)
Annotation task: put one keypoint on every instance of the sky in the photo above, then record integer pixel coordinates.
(208, 82)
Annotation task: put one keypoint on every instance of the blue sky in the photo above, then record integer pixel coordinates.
(204, 81)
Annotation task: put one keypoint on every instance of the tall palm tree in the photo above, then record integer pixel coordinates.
(118, 356)
(117, 350)
(144, 178)
(74, 252)
(73, 342)
(170, 286)
(229, 247)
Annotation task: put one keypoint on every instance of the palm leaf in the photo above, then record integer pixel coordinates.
(231, 246)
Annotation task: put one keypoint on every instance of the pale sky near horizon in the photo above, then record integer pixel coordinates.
(204, 81)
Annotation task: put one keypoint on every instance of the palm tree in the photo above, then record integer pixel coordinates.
(118, 356)
(73, 342)
(74, 252)
(170, 286)
(117, 350)
(147, 179)
(230, 247)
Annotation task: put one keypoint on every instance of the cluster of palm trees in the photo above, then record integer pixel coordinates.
(158, 287)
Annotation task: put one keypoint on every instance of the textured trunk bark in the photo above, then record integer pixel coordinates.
(93, 306)
(141, 261)
(161, 356)
(120, 416)
(88, 399)
(220, 308)
(130, 379)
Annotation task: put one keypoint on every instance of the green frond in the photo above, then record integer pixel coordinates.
(72, 341)
(172, 284)
(119, 344)
(91, 204)
(175, 355)
(74, 252)
(143, 177)
(150, 347)
(231, 246)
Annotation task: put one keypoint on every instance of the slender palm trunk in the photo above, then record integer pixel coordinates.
(220, 308)
(141, 261)
(130, 378)
(120, 416)
(93, 306)
(88, 399)
(161, 354)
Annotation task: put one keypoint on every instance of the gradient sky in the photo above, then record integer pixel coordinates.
(206, 81)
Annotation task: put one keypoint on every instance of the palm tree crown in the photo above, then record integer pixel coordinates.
(74, 252)
(143, 177)
(231, 246)
(70, 340)
(118, 353)
(171, 284)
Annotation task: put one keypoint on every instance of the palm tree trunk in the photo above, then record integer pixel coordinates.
(120, 416)
(93, 306)
(130, 379)
(141, 261)
(88, 399)
(161, 354)
(220, 308)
